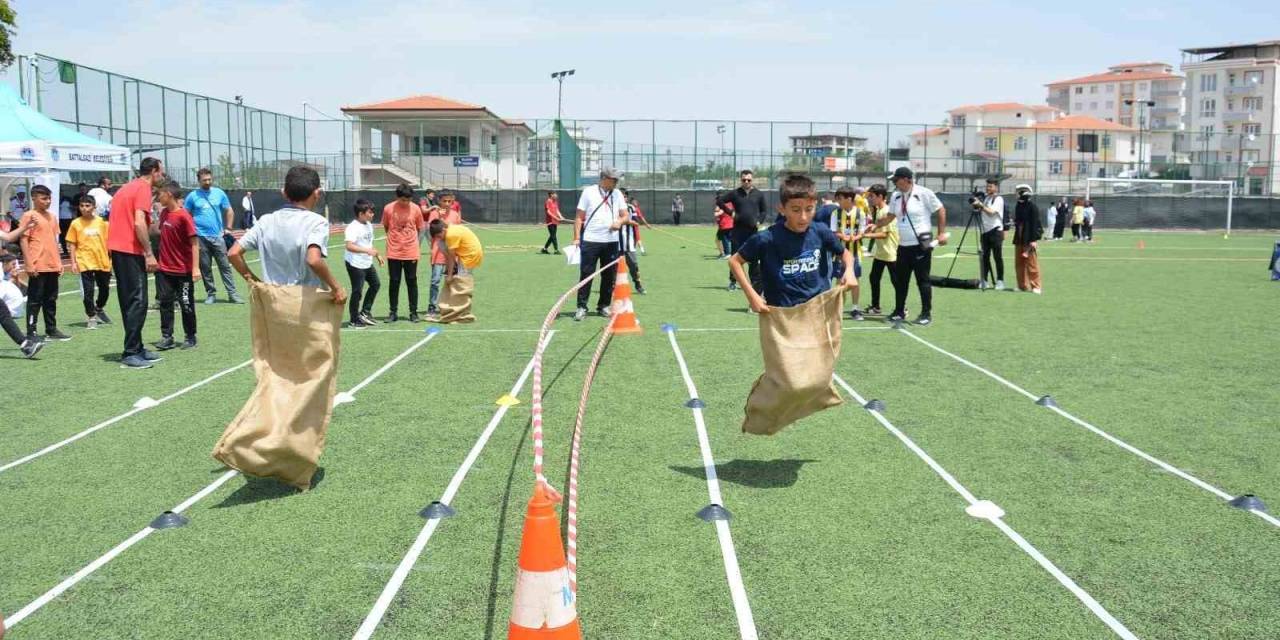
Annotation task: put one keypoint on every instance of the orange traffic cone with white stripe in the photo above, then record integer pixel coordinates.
(545, 605)
(624, 313)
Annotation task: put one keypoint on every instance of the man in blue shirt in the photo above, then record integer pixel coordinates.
(795, 254)
(212, 212)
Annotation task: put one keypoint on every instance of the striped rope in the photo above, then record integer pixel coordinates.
(536, 407)
(572, 510)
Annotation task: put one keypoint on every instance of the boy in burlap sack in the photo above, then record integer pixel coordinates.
(281, 429)
(799, 311)
(463, 254)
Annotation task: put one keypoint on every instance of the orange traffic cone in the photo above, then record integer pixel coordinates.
(1142, 244)
(545, 605)
(624, 313)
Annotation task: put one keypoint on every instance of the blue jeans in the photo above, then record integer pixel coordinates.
(437, 276)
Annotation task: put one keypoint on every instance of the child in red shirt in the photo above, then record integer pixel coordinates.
(179, 267)
(724, 224)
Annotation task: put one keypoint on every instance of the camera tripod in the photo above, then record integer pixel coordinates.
(975, 221)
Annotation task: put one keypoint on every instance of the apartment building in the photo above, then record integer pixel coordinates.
(1233, 112)
(1147, 96)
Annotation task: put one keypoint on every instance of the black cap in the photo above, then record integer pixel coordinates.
(903, 172)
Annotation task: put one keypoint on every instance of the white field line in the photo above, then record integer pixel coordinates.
(1066, 581)
(101, 561)
(451, 330)
(389, 591)
(737, 590)
(869, 327)
(79, 290)
(1110, 438)
(103, 425)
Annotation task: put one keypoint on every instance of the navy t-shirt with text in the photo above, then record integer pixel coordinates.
(795, 267)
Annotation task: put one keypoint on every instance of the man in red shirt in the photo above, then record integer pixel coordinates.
(447, 209)
(129, 240)
(179, 266)
(553, 218)
(43, 262)
(403, 222)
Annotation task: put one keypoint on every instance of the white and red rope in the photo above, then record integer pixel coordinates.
(571, 539)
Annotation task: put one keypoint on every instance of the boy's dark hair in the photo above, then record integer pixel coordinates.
(879, 190)
(446, 193)
(403, 190)
(8, 257)
(846, 192)
(550, 193)
(994, 181)
(435, 228)
(362, 206)
(797, 185)
(41, 190)
(300, 183)
(204, 171)
(148, 166)
(79, 200)
(172, 188)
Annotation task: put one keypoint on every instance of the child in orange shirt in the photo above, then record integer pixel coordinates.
(44, 263)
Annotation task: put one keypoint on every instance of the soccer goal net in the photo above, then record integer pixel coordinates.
(1155, 203)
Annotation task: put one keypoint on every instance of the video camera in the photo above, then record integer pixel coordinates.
(977, 197)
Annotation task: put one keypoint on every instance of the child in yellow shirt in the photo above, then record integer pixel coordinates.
(87, 241)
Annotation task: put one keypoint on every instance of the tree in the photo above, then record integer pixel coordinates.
(8, 29)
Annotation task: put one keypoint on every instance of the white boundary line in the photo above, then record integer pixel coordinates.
(1110, 438)
(1066, 581)
(102, 425)
(101, 561)
(451, 330)
(389, 591)
(869, 327)
(738, 591)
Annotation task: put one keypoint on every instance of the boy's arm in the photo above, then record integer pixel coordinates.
(754, 299)
(849, 279)
(195, 258)
(449, 260)
(236, 257)
(71, 252)
(320, 267)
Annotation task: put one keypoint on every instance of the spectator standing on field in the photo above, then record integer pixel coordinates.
(749, 210)
(913, 207)
(1089, 214)
(101, 195)
(677, 209)
(358, 259)
(44, 263)
(724, 227)
(1064, 211)
(87, 238)
(551, 210)
(129, 239)
(602, 210)
(178, 267)
(992, 238)
(213, 215)
(403, 222)
(250, 211)
(1026, 235)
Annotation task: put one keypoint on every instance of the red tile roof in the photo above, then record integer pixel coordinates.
(937, 131)
(1119, 76)
(1081, 122)
(1003, 106)
(418, 103)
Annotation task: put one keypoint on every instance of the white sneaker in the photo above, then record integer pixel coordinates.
(999, 285)
(91, 323)
(1036, 291)
(982, 285)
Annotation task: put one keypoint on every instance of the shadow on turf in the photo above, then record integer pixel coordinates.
(260, 489)
(757, 474)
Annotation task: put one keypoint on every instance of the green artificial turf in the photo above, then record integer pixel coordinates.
(840, 530)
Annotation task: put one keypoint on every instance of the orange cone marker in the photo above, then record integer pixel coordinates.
(545, 606)
(1142, 244)
(624, 313)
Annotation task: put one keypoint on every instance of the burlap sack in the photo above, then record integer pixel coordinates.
(281, 429)
(800, 346)
(455, 300)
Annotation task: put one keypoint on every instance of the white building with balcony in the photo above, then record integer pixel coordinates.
(1234, 107)
(1148, 96)
(430, 141)
(544, 155)
(1024, 143)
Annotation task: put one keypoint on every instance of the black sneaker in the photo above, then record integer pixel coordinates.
(102, 317)
(356, 323)
(189, 343)
(873, 310)
(413, 317)
(855, 315)
(640, 290)
(579, 314)
(31, 347)
(896, 316)
(367, 319)
(135, 362)
(544, 251)
(236, 300)
(165, 344)
(924, 320)
(733, 286)
(149, 356)
(57, 335)
(393, 317)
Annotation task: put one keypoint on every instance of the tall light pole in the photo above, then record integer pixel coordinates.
(1142, 120)
(559, 76)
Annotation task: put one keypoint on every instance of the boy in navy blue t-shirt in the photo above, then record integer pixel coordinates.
(795, 254)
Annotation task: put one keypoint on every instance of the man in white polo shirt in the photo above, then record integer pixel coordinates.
(914, 206)
(602, 210)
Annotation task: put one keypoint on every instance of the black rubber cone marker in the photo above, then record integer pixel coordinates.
(874, 405)
(437, 511)
(695, 403)
(713, 512)
(1046, 401)
(1250, 502)
(169, 520)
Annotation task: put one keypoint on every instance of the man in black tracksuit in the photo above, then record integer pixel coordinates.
(749, 211)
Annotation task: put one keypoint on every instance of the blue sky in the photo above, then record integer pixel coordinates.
(824, 61)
